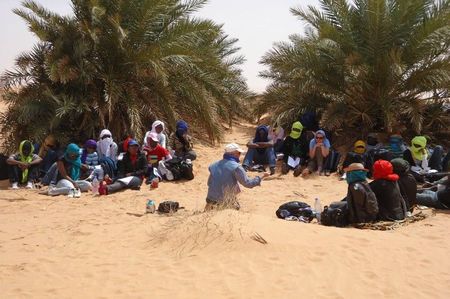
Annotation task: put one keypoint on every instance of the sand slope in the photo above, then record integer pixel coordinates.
(104, 248)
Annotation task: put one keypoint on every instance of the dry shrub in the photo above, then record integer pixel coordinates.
(187, 232)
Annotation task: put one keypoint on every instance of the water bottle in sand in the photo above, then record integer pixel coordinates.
(95, 185)
(317, 209)
(150, 207)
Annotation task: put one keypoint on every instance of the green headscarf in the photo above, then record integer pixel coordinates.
(356, 176)
(26, 159)
(296, 130)
(419, 153)
(76, 164)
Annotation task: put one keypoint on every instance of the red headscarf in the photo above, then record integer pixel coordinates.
(383, 170)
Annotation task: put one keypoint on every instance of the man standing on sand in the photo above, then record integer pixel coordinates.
(224, 177)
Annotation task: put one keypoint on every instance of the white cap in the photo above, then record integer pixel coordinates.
(233, 147)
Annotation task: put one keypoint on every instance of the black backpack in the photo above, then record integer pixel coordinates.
(335, 215)
(168, 207)
(295, 208)
(3, 167)
(332, 162)
(180, 169)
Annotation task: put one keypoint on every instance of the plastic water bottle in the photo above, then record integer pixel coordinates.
(317, 208)
(150, 207)
(95, 185)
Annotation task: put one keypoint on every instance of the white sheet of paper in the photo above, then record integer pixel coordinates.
(126, 180)
(293, 163)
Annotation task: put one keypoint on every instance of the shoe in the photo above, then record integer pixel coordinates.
(102, 189)
(272, 170)
(305, 172)
(15, 186)
(284, 168)
(51, 190)
(29, 185)
(297, 171)
(77, 193)
(71, 193)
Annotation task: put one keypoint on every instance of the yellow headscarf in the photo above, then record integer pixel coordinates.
(296, 130)
(419, 152)
(359, 147)
(26, 159)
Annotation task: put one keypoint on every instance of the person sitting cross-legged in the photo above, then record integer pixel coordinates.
(391, 204)
(23, 167)
(295, 150)
(69, 169)
(319, 149)
(260, 150)
(155, 154)
(131, 170)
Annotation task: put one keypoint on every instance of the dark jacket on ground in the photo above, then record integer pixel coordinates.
(391, 204)
(362, 203)
(139, 169)
(296, 147)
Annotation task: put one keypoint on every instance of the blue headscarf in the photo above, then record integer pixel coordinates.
(76, 164)
(266, 134)
(181, 129)
(356, 176)
(182, 126)
(326, 142)
(230, 157)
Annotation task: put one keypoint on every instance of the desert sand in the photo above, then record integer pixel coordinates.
(105, 247)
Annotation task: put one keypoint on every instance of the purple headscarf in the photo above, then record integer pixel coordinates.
(90, 143)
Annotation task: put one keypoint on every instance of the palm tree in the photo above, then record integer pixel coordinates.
(121, 64)
(364, 65)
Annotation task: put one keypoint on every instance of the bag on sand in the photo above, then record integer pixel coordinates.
(168, 207)
(296, 209)
(179, 169)
(335, 215)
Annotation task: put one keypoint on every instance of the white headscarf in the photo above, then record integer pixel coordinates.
(104, 145)
(157, 123)
(161, 136)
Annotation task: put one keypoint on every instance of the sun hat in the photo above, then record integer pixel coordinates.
(355, 166)
(233, 147)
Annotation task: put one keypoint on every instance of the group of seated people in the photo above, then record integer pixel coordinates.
(393, 193)
(115, 167)
(302, 151)
(395, 168)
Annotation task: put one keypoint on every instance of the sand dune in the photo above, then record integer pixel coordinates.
(104, 247)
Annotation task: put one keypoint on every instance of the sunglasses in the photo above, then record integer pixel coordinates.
(360, 146)
(50, 146)
(417, 145)
(106, 136)
(319, 137)
(296, 130)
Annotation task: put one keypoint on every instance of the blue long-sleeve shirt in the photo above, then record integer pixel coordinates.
(224, 179)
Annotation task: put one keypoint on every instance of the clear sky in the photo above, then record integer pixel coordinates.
(256, 23)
